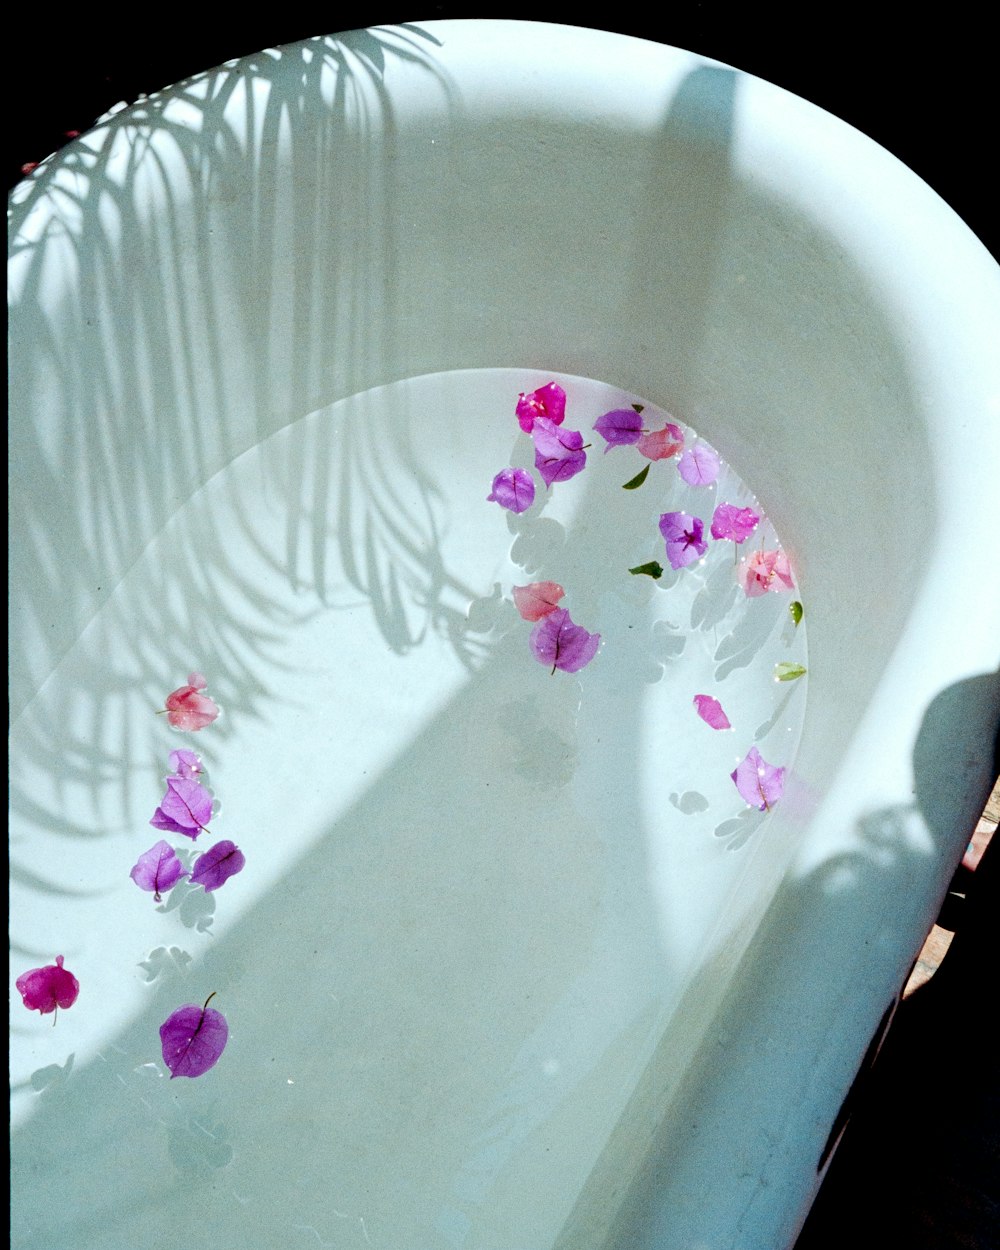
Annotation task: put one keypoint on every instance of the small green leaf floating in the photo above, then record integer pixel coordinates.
(796, 610)
(786, 671)
(652, 569)
(637, 481)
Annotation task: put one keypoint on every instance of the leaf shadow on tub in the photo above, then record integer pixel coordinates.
(445, 913)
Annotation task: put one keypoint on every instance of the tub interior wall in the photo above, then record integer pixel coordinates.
(214, 265)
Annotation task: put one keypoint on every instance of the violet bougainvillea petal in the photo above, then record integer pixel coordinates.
(759, 783)
(662, 444)
(736, 524)
(699, 466)
(710, 711)
(45, 989)
(548, 401)
(192, 1038)
(513, 489)
(537, 600)
(619, 428)
(764, 571)
(185, 808)
(556, 641)
(187, 708)
(159, 869)
(559, 453)
(683, 536)
(185, 764)
(217, 865)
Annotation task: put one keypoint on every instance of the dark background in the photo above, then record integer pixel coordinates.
(923, 90)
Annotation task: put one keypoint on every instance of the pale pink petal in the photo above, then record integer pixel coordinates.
(537, 600)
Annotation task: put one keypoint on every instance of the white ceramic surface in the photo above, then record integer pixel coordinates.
(264, 242)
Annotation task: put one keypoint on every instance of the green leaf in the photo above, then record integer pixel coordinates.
(796, 610)
(637, 407)
(638, 480)
(786, 671)
(652, 569)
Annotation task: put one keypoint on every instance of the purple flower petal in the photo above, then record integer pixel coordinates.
(192, 1039)
(559, 453)
(620, 427)
(548, 401)
(158, 869)
(217, 865)
(662, 444)
(513, 489)
(734, 523)
(45, 989)
(683, 536)
(759, 783)
(699, 466)
(710, 711)
(185, 764)
(185, 808)
(556, 641)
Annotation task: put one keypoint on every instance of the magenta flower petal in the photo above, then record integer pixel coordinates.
(192, 1039)
(559, 453)
(556, 641)
(187, 708)
(45, 989)
(683, 536)
(662, 444)
(185, 808)
(513, 489)
(734, 523)
(764, 571)
(548, 401)
(759, 783)
(159, 869)
(537, 600)
(699, 466)
(710, 711)
(620, 427)
(217, 865)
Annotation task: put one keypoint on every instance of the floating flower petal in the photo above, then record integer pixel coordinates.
(537, 600)
(559, 453)
(185, 765)
(187, 709)
(513, 489)
(662, 444)
(699, 466)
(683, 536)
(619, 428)
(759, 783)
(764, 571)
(45, 989)
(192, 1038)
(556, 641)
(710, 711)
(217, 865)
(158, 869)
(548, 401)
(734, 523)
(185, 808)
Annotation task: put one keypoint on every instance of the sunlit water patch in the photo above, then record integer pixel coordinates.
(478, 893)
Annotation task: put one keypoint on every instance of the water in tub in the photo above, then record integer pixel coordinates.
(486, 859)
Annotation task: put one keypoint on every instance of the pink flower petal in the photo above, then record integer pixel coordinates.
(764, 571)
(710, 711)
(662, 444)
(548, 401)
(734, 523)
(537, 600)
(45, 989)
(189, 710)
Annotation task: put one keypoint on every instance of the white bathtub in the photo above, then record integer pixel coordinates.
(229, 263)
